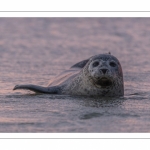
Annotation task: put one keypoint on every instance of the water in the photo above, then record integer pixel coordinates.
(33, 50)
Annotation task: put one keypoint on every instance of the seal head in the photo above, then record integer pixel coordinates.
(105, 73)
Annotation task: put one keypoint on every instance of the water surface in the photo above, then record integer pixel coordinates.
(34, 50)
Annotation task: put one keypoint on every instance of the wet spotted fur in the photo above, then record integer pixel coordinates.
(100, 75)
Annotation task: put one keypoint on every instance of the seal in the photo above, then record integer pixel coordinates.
(100, 75)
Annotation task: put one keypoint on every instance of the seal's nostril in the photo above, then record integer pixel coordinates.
(104, 70)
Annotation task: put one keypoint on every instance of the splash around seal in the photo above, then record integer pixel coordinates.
(100, 75)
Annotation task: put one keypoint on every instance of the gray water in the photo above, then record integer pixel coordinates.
(34, 50)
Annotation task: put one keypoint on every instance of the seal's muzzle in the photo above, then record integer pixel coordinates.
(104, 82)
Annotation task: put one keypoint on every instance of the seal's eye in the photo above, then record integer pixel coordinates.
(95, 64)
(112, 64)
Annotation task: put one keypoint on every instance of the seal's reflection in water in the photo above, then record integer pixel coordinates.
(101, 101)
(99, 106)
